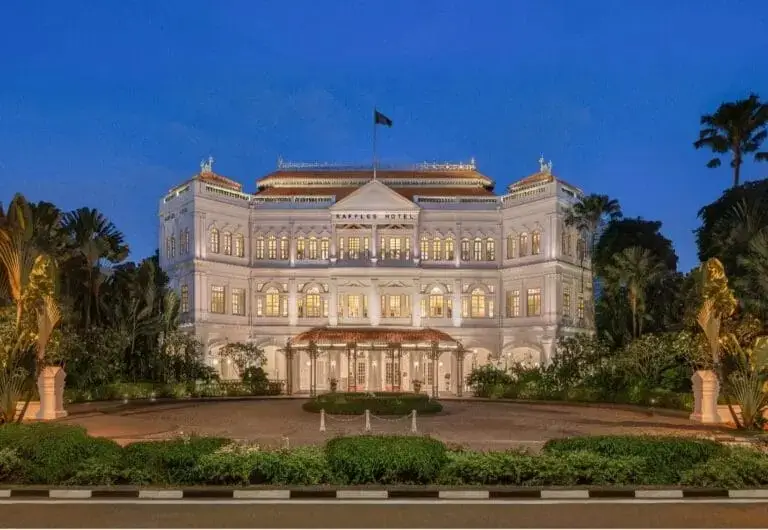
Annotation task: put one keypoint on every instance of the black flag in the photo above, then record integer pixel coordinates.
(380, 119)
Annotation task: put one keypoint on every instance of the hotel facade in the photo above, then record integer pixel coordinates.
(378, 281)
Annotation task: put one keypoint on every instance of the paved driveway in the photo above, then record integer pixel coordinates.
(280, 422)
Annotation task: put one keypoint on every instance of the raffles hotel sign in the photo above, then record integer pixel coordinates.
(377, 216)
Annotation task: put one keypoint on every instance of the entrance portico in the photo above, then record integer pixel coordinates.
(374, 359)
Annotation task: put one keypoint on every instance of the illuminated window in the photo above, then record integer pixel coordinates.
(424, 248)
(227, 243)
(533, 303)
(477, 304)
(523, 245)
(184, 304)
(312, 248)
(354, 248)
(465, 253)
(580, 307)
(273, 303)
(325, 248)
(271, 247)
(436, 304)
(449, 250)
(513, 304)
(536, 243)
(311, 305)
(238, 302)
(566, 301)
(239, 245)
(477, 249)
(214, 242)
(361, 372)
(396, 306)
(217, 299)
(259, 248)
(490, 250)
(437, 248)
(285, 248)
(354, 306)
(511, 246)
(301, 247)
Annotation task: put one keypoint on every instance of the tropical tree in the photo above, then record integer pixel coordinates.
(738, 128)
(634, 270)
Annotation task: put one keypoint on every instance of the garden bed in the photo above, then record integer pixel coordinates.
(55, 454)
(134, 391)
(379, 403)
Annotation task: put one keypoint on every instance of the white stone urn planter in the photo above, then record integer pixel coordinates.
(706, 389)
(50, 386)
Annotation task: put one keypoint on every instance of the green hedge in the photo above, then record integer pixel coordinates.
(133, 391)
(379, 403)
(53, 454)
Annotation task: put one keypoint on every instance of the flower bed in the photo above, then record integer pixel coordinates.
(379, 403)
(55, 454)
(131, 391)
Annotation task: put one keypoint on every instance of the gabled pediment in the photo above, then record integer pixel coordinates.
(374, 196)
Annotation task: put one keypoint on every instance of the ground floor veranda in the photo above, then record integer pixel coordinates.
(371, 359)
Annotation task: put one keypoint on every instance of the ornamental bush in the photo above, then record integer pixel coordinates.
(665, 457)
(385, 459)
(168, 461)
(380, 403)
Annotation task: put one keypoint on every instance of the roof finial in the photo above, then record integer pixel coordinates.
(472, 162)
(206, 166)
(545, 167)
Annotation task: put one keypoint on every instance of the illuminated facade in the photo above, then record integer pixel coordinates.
(324, 267)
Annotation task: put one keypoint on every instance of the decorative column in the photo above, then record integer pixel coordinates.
(333, 310)
(416, 244)
(313, 353)
(706, 389)
(332, 246)
(289, 354)
(201, 291)
(292, 250)
(457, 303)
(374, 303)
(293, 314)
(374, 243)
(460, 353)
(457, 246)
(50, 385)
(434, 357)
(200, 235)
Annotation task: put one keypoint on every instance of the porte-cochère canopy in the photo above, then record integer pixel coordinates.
(333, 335)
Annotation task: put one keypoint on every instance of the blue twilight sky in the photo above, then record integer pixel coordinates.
(108, 104)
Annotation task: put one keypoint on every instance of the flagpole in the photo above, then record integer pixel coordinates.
(374, 143)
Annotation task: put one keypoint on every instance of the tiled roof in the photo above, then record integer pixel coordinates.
(328, 335)
(219, 180)
(407, 192)
(381, 173)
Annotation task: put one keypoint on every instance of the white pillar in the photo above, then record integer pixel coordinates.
(374, 243)
(416, 303)
(706, 389)
(293, 313)
(374, 304)
(333, 310)
(457, 303)
(50, 385)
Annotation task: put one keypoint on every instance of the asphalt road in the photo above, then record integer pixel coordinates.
(334, 514)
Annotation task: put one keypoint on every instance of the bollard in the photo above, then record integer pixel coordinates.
(322, 420)
(367, 420)
(413, 421)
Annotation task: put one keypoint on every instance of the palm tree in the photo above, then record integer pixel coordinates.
(635, 269)
(18, 253)
(738, 127)
(93, 238)
(589, 216)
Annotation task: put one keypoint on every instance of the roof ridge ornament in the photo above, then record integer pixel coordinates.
(206, 166)
(545, 167)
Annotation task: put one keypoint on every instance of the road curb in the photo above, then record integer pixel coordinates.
(368, 494)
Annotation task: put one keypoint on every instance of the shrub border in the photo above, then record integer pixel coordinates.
(374, 493)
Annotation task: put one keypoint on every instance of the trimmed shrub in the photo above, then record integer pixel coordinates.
(381, 403)
(385, 459)
(237, 465)
(738, 468)
(666, 457)
(169, 461)
(53, 453)
(520, 469)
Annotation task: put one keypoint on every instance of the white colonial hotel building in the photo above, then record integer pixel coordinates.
(419, 274)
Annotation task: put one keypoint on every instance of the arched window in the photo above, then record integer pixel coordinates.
(312, 248)
(536, 243)
(450, 252)
(312, 303)
(301, 248)
(184, 303)
(272, 304)
(477, 249)
(424, 247)
(477, 304)
(215, 241)
(259, 247)
(490, 249)
(523, 244)
(239, 245)
(325, 248)
(511, 246)
(271, 247)
(581, 248)
(228, 243)
(437, 248)
(465, 249)
(436, 304)
(285, 249)
(566, 242)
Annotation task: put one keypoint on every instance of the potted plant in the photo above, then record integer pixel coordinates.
(334, 384)
(416, 385)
